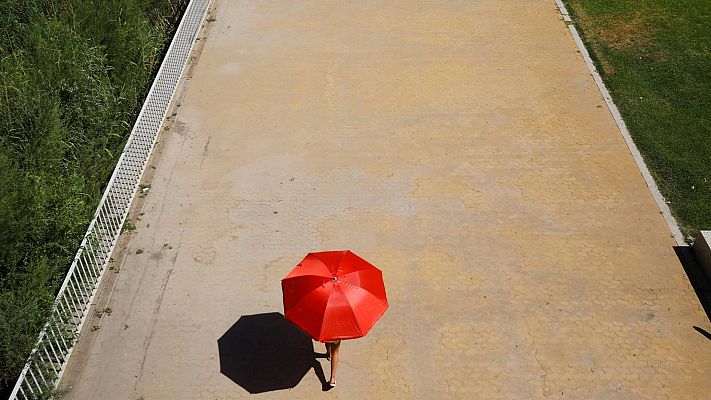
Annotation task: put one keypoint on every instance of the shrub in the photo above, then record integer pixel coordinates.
(73, 76)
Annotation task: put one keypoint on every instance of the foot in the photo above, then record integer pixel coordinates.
(332, 383)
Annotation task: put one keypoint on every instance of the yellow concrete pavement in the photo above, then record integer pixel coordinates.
(460, 146)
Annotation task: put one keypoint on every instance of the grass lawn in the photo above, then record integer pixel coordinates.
(655, 57)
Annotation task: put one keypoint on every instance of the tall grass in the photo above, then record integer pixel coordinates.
(73, 75)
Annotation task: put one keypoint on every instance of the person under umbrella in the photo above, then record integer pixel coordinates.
(334, 295)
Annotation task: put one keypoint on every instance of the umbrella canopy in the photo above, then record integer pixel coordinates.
(334, 295)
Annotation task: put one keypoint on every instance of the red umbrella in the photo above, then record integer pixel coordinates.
(334, 295)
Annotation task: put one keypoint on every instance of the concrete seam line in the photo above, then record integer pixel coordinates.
(648, 179)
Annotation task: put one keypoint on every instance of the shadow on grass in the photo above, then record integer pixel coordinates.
(265, 352)
(698, 279)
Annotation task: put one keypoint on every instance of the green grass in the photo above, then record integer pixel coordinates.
(655, 58)
(73, 75)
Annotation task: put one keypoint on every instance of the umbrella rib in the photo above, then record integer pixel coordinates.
(341, 261)
(355, 319)
(298, 280)
(350, 308)
(301, 300)
(360, 287)
(323, 319)
(323, 264)
(385, 303)
(381, 301)
(364, 265)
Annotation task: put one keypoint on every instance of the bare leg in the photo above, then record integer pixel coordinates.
(328, 351)
(334, 350)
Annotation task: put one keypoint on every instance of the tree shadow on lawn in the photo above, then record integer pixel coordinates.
(266, 352)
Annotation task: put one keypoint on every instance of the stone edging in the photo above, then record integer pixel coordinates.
(648, 179)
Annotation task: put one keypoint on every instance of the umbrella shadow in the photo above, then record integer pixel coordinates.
(265, 352)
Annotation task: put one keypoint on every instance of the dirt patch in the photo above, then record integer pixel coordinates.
(632, 34)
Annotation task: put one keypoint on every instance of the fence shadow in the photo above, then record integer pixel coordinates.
(266, 352)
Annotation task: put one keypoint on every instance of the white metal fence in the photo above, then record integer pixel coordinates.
(50, 355)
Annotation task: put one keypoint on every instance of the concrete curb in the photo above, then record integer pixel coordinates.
(702, 251)
(648, 179)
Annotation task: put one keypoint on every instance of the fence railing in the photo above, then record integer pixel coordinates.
(49, 357)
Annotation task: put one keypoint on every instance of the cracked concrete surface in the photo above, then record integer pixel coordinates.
(463, 148)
